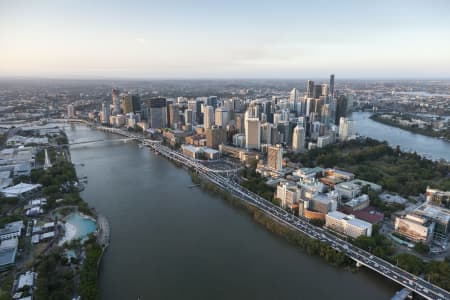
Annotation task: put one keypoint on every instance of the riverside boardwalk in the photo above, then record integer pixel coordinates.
(103, 236)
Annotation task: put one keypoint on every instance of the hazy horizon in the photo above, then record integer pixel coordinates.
(174, 40)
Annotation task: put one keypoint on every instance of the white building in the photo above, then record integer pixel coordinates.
(347, 224)
(208, 118)
(347, 129)
(288, 193)
(222, 116)
(252, 133)
(298, 139)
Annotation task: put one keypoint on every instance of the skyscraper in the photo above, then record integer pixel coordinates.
(298, 139)
(275, 157)
(212, 101)
(266, 133)
(252, 132)
(158, 112)
(105, 113)
(131, 103)
(188, 117)
(317, 92)
(174, 115)
(324, 89)
(332, 85)
(222, 116)
(346, 128)
(341, 108)
(115, 101)
(215, 136)
(309, 89)
(208, 117)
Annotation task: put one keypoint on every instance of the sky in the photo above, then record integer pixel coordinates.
(225, 39)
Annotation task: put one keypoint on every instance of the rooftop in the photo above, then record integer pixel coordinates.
(8, 250)
(20, 188)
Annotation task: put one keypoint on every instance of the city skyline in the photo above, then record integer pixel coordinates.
(200, 40)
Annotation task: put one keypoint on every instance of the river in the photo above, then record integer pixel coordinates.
(430, 147)
(169, 241)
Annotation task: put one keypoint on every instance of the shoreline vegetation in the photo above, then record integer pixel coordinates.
(434, 271)
(61, 277)
(293, 237)
(426, 131)
(404, 173)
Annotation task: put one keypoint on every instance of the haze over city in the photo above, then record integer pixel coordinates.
(225, 39)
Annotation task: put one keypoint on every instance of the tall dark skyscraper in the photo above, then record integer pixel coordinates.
(158, 112)
(341, 108)
(317, 91)
(332, 85)
(310, 88)
(212, 101)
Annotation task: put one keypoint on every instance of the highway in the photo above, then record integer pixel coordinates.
(362, 257)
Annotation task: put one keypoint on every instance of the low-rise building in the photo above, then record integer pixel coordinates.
(288, 193)
(348, 190)
(439, 215)
(347, 224)
(192, 151)
(358, 203)
(414, 227)
(11, 230)
(8, 251)
(373, 186)
(307, 174)
(438, 197)
(21, 190)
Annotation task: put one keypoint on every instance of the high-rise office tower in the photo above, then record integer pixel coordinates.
(275, 157)
(284, 129)
(341, 108)
(188, 117)
(222, 116)
(317, 92)
(324, 90)
(115, 101)
(131, 103)
(157, 112)
(215, 136)
(174, 115)
(208, 117)
(266, 133)
(240, 127)
(252, 132)
(212, 101)
(105, 113)
(309, 88)
(294, 104)
(346, 128)
(298, 139)
(267, 108)
(332, 85)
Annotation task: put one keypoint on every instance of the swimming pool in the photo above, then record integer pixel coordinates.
(78, 227)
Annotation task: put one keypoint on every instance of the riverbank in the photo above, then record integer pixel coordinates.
(427, 131)
(300, 241)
